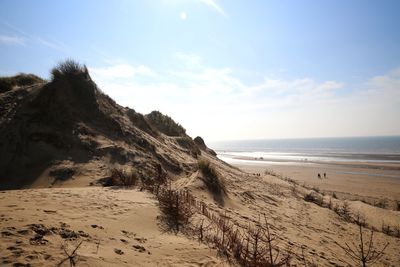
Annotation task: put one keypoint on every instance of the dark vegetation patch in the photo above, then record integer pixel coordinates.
(187, 143)
(62, 174)
(140, 122)
(314, 197)
(122, 178)
(68, 68)
(175, 209)
(22, 79)
(165, 124)
(211, 177)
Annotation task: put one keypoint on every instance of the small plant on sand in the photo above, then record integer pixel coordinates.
(71, 256)
(381, 203)
(211, 179)
(396, 231)
(336, 208)
(270, 172)
(364, 253)
(386, 228)
(316, 189)
(359, 219)
(314, 198)
(344, 211)
(330, 204)
(122, 178)
(397, 205)
(293, 189)
(260, 247)
(176, 210)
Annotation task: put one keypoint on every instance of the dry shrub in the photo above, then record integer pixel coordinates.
(212, 178)
(396, 231)
(344, 211)
(314, 198)
(316, 189)
(386, 228)
(250, 246)
(273, 173)
(71, 257)
(175, 208)
(382, 203)
(364, 252)
(122, 178)
(359, 219)
(261, 248)
(397, 205)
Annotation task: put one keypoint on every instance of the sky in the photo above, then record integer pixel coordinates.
(224, 69)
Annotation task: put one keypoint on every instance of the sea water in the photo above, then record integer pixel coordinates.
(343, 149)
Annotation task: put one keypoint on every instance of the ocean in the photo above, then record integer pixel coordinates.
(343, 149)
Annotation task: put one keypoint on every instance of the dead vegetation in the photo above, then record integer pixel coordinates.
(364, 252)
(251, 245)
(175, 208)
(314, 197)
(211, 177)
(120, 177)
(71, 257)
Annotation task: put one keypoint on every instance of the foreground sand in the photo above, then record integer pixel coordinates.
(118, 228)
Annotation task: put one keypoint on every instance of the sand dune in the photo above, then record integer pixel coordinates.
(77, 136)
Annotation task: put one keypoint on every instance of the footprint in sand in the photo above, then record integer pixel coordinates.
(139, 248)
(118, 251)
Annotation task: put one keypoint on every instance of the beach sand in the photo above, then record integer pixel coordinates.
(363, 181)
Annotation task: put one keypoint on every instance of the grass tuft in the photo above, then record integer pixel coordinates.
(212, 179)
(68, 68)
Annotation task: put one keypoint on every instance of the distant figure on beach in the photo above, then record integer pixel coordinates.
(319, 176)
(324, 174)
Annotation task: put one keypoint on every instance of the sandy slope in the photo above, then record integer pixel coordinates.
(109, 220)
(298, 223)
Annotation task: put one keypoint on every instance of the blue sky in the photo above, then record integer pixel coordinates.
(225, 69)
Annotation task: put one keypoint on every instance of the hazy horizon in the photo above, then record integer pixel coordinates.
(305, 138)
(225, 70)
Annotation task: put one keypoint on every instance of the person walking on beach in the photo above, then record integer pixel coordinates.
(319, 176)
(324, 174)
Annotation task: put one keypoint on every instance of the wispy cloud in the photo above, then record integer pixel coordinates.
(121, 71)
(213, 4)
(187, 60)
(11, 40)
(38, 39)
(215, 103)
